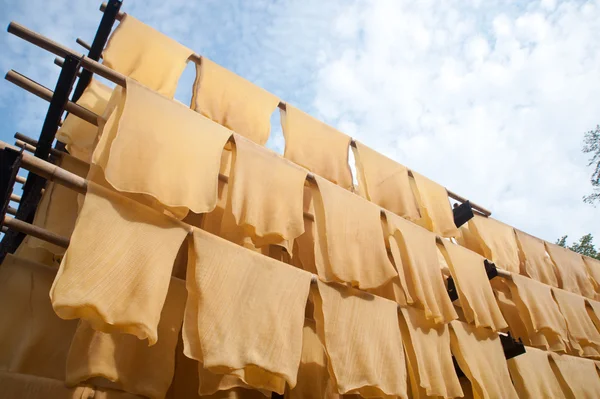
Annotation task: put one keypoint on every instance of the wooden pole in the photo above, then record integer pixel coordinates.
(46, 94)
(83, 44)
(31, 148)
(50, 171)
(35, 231)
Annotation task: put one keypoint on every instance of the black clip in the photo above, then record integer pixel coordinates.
(452, 292)
(511, 347)
(490, 269)
(462, 213)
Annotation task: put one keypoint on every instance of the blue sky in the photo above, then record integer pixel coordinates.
(490, 99)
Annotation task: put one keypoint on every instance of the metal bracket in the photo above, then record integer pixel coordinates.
(462, 213)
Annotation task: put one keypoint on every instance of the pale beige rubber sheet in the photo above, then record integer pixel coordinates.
(316, 146)
(116, 272)
(362, 340)
(434, 206)
(350, 247)
(498, 241)
(385, 182)
(80, 135)
(142, 53)
(155, 146)
(474, 291)
(232, 101)
(33, 339)
(245, 313)
(429, 359)
(479, 354)
(414, 252)
(535, 261)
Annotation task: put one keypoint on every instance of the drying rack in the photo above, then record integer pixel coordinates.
(75, 75)
(10, 161)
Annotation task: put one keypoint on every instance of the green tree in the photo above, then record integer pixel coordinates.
(562, 241)
(585, 246)
(591, 145)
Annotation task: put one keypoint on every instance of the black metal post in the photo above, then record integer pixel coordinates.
(10, 162)
(57, 106)
(100, 39)
(106, 24)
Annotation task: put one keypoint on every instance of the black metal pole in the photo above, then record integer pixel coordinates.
(57, 106)
(100, 39)
(10, 162)
(106, 24)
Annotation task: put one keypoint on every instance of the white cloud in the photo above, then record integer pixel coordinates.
(488, 98)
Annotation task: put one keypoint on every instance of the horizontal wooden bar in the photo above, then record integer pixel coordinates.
(15, 198)
(62, 51)
(35, 231)
(43, 92)
(20, 179)
(83, 44)
(50, 171)
(11, 211)
(31, 148)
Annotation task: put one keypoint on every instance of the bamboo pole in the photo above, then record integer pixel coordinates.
(46, 94)
(59, 62)
(83, 44)
(62, 51)
(31, 148)
(50, 171)
(35, 231)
